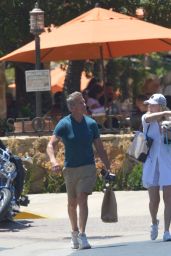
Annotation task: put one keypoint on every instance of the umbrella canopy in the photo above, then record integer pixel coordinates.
(95, 34)
(58, 78)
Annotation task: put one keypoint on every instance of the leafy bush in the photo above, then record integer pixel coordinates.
(121, 181)
(134, 181)
(54, 183)
(124, 181)
(99, 184)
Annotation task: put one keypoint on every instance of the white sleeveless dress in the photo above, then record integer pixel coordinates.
(157, 168)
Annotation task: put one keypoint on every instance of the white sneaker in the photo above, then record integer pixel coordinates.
(166, 236)
(154, 231)
(74, 240)
(83, 242)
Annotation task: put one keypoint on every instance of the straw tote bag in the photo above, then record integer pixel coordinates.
(140, 146)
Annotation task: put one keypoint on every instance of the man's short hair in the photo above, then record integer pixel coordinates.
(72, 98)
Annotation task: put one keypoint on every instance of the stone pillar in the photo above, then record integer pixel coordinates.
(2, 92)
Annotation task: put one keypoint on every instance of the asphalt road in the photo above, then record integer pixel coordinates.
(50, 236)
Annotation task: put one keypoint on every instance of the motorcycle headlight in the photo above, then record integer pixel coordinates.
(9, 167)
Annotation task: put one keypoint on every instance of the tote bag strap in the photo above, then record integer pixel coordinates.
(147, 130)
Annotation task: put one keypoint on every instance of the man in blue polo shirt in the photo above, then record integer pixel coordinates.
(78, 132)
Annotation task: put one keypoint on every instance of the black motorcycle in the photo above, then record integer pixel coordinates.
(12, 175)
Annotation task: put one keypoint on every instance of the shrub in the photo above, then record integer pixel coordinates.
(99, 184)
(134, 181)
(121, 181)
(54, 183)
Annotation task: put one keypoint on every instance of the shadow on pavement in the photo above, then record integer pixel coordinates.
(4, 249)
(137, 248)
(95, 237)
(14, 226)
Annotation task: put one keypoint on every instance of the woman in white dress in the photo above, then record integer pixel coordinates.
(157, 168)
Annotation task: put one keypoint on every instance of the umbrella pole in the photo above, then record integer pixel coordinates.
(103, 76)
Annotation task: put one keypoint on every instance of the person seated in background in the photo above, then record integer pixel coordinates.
(113, 102)
(55, 112)
(93, 103)
(90, 85)
(113, 108)
(139, 109)
(165, 83)
(167, 94)
(126, 107)
(151, 86)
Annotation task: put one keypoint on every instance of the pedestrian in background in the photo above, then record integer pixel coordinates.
(157, 168)
(78, 133)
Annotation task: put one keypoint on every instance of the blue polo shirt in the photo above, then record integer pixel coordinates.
(78, 139)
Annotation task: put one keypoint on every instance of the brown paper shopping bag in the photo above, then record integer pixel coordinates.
(109, 207)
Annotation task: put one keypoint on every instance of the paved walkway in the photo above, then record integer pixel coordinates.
(50, 236)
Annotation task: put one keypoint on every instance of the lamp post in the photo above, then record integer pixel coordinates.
(36, 27)
(139, 12)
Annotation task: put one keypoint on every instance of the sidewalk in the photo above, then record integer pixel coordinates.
(51, 236)
(130, 203)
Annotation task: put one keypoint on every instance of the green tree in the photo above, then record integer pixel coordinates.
(72, 80)
(158, 11)
(14, 18)
(14, 15)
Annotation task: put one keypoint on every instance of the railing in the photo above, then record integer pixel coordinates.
(104, 120)
(45, 125)
(37, 126)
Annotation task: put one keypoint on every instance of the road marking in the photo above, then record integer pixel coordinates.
(28, 215)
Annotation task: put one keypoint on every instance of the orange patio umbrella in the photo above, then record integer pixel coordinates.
(58, 78)
(98, 33)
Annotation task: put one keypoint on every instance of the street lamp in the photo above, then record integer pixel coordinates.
(139, 12)
(36, 27)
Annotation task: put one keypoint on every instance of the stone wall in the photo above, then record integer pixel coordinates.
(115, 145)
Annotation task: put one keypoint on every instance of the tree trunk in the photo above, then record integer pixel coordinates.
(23, 98)
(98, 72)
(72, 81)
(2, 92)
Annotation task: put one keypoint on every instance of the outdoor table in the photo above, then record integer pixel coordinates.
(100, 119)
(122, 119)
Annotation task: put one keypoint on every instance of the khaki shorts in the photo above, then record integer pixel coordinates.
(79, 179)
